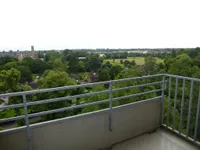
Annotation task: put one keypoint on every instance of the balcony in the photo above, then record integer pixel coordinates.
(168, 118)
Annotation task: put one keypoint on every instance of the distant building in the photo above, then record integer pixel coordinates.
(20, 54)
(32, 48)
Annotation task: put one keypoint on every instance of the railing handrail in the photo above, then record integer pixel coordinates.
(74, 86)
(92, 84)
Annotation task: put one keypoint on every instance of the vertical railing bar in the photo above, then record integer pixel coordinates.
(27, 122)
(182, 106)
(169, 104)
(110, 110)
(197, 117)
(162, 100)
(190, 106)
(174, 113)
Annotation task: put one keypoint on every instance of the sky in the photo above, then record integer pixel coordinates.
(61, 24)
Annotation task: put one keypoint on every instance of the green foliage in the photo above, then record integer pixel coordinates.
(9, 80)
(107, 64)
(97, 97)
(181, 65)
(5, 60)
(40, 66)
(52, 55)
(75, 64)
(116, 55)
(126, 63)
(55, 79)
(128, 73)
(194, 52)
(27, 61)
(149, 65)
(104, 74)
(10, 65)
(26, 75)
(36, 66)
(114, 71)
(58, 65)
(94, 63)
(168, 63)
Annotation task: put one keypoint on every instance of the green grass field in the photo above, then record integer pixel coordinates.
(138, 60)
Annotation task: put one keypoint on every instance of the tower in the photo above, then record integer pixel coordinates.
(32, 48)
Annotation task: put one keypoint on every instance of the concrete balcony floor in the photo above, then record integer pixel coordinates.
(159, 140)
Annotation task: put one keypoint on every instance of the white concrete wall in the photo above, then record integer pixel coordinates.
(87, 131)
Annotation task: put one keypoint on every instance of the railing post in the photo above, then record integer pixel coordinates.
(162, 100)
(110, 110)
(27, 123)
(169, 102)
(190, 107)
(182, 106)
(197, 118)
(175, 99)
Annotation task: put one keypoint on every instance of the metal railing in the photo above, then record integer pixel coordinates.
(165, 84)
(110, 90)
(182, 107)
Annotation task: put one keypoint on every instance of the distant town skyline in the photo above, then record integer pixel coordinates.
(89, 24)
(15, 50)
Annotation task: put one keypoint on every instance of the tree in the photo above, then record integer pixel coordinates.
(168, 62)
(26, 74)
(104, 74)
(59, 65)
(52, 55)
(107, 64)
(75, 65)
(94, 63)
(196, 61)
(38, 66)
(69, 56)
(149, 65)
(97, 97)
(128, 73)
(6, 59)
(55, 79)
(114, 71)
(27, 61)
(133, 63)
(126, 63)
(181, 65)
(81, 66)
(9, 80)
(193, 53)
(18, 100)
(9, 65)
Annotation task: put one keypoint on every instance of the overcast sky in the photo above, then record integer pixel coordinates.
(60, 24)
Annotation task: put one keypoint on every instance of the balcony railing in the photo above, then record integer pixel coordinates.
(169, 90)
(183, 102)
